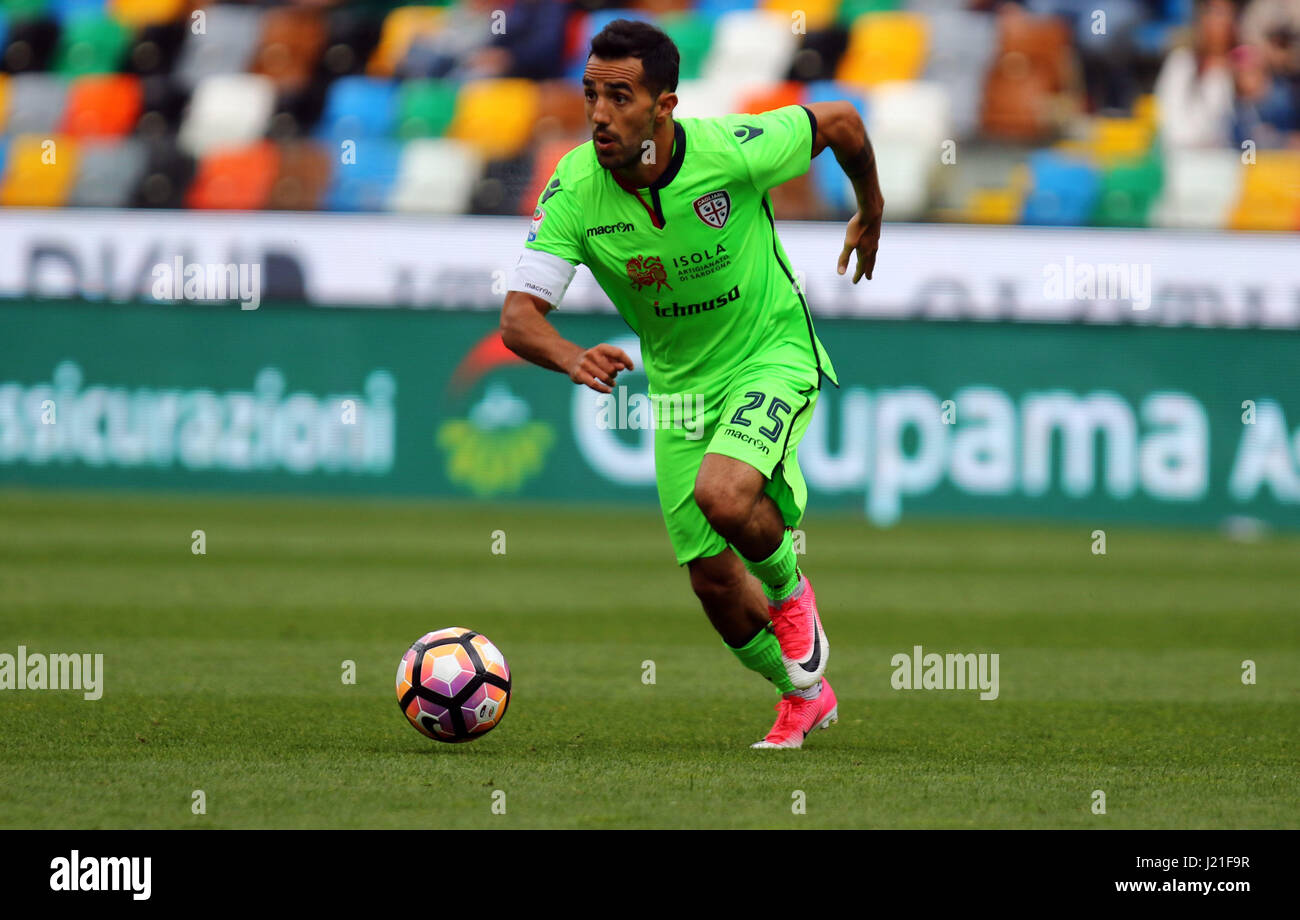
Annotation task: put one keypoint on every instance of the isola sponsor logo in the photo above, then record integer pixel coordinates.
(691, 309)
(620, 227)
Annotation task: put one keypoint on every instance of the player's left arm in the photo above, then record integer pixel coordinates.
(839, 127)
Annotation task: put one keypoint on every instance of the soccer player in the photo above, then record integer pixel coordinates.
(674, 220)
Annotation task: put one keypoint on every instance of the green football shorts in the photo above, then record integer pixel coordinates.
(760, 420)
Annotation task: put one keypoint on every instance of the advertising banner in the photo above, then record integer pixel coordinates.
(1068, 422)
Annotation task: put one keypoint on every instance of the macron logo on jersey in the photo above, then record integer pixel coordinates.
(747, 133)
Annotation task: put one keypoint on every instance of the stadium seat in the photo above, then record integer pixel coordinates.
(225, 47)
(4, 101)
(364, 182)
(290, 45)
(1115, 140)
(435, 176)
(962, 49)
(588, 26)
(1128, 190)
(884, 47)
(425, 108)
(905, 177)
(29, 44)
(304, 175)
(495, 117)
(108, 173)
(1064, 190)
(1200, 190)
(91, 44)
(168, 173)
(36, 102)
(401, 27)
(139, 13)
(351, 39)
(852, 10)
(775, 96)
(162, 107)
(39, 171)
(914, 111)
(357, 107)
(235, 179)
(548, 155)
(693, 36)
(708, 98)
(103, 106)
(750, 47)
(1270, 193)
(227, 111)
(156, 48)
(561, 111)
(816, 14)
(714, 9)
(64, 11)
(1033, 58)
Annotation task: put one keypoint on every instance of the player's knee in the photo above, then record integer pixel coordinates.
(725, 507)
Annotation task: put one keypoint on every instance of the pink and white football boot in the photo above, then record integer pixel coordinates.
(798, 628)
(796, 717)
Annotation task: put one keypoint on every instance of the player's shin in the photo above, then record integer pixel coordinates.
(763, 654)
(779, 572)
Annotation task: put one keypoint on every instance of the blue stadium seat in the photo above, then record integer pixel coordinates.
(367, 184)
(1064, 190)
(359, 107)
(715, 8)
(66, 10)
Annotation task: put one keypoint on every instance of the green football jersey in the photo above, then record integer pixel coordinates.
(693, 262)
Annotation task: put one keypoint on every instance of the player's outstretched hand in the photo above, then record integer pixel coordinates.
(863, 236)
(598, 366)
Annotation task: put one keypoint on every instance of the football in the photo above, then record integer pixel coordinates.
(453, 685)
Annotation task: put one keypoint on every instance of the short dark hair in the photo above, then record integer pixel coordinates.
(624, 38)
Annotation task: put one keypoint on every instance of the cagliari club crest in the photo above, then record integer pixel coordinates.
(714, 208)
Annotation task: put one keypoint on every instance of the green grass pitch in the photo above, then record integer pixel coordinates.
(1119, 673)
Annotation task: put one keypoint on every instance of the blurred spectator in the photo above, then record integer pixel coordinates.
(532, 44)
(457, 49)
(1195, 90)
(1266, 19)
(1266, 110)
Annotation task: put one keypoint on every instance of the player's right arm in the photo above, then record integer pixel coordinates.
(528, 333)
(551, 256)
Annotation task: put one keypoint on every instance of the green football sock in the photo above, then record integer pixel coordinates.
(779, 572)
(763, 654)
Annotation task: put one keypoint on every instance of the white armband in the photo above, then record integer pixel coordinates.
(542, 275)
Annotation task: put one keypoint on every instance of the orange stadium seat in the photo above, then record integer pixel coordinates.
(496, 116)
(40, 171)
(106, 105)
(883, 47)
(772, 97)
(303, 177)
(238, 179)
(292, 41)
(561, 110)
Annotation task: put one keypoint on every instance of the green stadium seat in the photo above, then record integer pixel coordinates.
(850, 10)
(91, 44)
(693, 35)
(1127, 193)
(425, 108)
